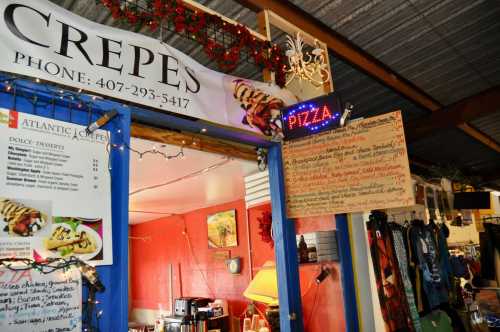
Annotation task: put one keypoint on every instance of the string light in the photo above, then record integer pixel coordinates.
(10, 82)
(50, 265)
(212, 167)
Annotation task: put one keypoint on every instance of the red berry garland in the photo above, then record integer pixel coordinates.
(265, 226)
(193, 23)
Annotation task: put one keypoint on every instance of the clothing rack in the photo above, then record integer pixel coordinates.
(408, 216)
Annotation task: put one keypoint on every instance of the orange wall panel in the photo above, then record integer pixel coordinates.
(200, 274)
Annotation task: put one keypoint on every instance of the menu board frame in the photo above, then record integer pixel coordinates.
(360, 167)
(58, 175)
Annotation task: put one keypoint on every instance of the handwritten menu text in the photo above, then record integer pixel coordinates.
(31, 301)
(360, 167)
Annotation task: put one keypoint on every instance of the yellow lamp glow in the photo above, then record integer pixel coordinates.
(264, 286)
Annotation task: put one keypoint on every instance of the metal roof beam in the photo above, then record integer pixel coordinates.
(457, 115)
(345, 49)
(359, 58)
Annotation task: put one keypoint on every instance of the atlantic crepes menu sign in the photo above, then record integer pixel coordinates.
(55, 190)
(360, 167)
(41, 39)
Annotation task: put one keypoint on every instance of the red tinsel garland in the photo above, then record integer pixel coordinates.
(185, 20)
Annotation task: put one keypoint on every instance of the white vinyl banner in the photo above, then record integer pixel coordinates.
(41, 39)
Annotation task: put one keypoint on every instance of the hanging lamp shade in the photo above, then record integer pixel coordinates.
(264, 286)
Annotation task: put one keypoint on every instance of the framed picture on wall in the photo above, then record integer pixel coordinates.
(222, 230)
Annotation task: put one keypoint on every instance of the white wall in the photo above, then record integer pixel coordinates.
(367, 299)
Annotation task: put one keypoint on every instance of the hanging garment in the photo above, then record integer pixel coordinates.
(489, 242)
(390, 288)
(429, 278)
(442, 233)
(400, 248)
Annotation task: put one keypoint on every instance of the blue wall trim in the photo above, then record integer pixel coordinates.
(114, 301)
(285, 248)
(348, 286)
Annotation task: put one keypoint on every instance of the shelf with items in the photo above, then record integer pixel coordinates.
(317, 247)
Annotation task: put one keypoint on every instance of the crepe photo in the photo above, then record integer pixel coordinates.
(21, 217)
(74, 236)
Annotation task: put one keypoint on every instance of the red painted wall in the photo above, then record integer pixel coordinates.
(323, 306)
(196, 270)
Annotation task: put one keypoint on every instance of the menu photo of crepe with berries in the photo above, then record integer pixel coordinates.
(24, 217)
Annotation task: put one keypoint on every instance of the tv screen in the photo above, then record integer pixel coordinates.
(472, 200)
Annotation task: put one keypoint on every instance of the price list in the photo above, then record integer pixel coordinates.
(360, 167)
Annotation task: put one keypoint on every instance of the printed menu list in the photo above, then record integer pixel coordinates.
(54, 178)
(360, 167)
(32, 301)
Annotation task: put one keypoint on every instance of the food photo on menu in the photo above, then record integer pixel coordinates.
(74, 236)
(23, 217)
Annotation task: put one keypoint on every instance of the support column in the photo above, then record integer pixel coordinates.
(347, 273)
(285, 246)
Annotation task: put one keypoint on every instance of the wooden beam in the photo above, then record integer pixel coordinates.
(194, 141)
(199, 7)
(457, 115)
(345, 49)
(480, 136)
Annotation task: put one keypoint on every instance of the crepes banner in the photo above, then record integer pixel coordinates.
(41, 39)
(55, 190)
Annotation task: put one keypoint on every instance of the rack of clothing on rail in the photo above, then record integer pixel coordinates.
(413, 274)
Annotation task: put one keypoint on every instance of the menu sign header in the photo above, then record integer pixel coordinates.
(311, 116)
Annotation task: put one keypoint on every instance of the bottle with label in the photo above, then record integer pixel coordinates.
(312, 254)
(303, 253)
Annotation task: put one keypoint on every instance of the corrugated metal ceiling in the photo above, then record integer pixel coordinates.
(449, 48)
(454, 147)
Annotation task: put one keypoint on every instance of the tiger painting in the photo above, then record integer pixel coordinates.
(262, 110)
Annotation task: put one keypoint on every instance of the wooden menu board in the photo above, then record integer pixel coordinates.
(360, 167)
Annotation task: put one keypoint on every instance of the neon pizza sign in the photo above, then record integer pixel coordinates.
(311, 116)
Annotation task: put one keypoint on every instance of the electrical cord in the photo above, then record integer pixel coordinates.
(195, 260)
(184, 177)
